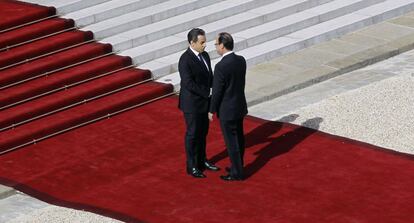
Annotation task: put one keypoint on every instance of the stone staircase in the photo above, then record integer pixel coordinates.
(153, 33)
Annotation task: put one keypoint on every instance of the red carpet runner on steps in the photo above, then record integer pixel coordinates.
(54, 77)
(131, 166)
(15, 13)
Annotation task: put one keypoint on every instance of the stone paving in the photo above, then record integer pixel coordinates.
(373, 104)
(323, 61)
(280, 106)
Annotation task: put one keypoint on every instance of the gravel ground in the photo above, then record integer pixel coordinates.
(62, 215)
(380, 113)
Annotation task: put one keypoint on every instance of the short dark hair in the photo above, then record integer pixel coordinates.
(194, 33)
(226, 39)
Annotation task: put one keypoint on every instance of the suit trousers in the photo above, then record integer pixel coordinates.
(195, 139)
(234, 138)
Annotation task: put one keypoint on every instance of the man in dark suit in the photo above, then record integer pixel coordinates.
(194, 67)
(229, 102)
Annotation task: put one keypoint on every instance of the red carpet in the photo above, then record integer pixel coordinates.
(34, 31)
(52, 62)
(131, 167)
(54, 78)
(70, 96)
(43, 46)
(15, 13)
(63, 78)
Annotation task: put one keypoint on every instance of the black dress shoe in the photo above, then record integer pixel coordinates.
(211, 167)
(196, 173)
(230, 178)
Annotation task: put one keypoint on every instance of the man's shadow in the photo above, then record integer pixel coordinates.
(280, 145)
(276, 145)
(261, 132)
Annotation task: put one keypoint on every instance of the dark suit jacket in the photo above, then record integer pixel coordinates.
(228, 99)
(196, 81)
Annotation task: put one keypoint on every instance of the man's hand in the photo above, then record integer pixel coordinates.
(210, 116)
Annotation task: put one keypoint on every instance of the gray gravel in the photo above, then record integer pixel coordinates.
(62, 215)
(380, 114)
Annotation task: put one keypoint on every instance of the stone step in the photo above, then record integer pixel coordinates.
(251, 18)
(149, 17)
(180, 23)
(248, 40)
(67, 6)
(326, 30)
(309, 36)
(107, 10)
(155, 35)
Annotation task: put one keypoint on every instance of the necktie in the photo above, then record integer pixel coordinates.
(202, 60)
